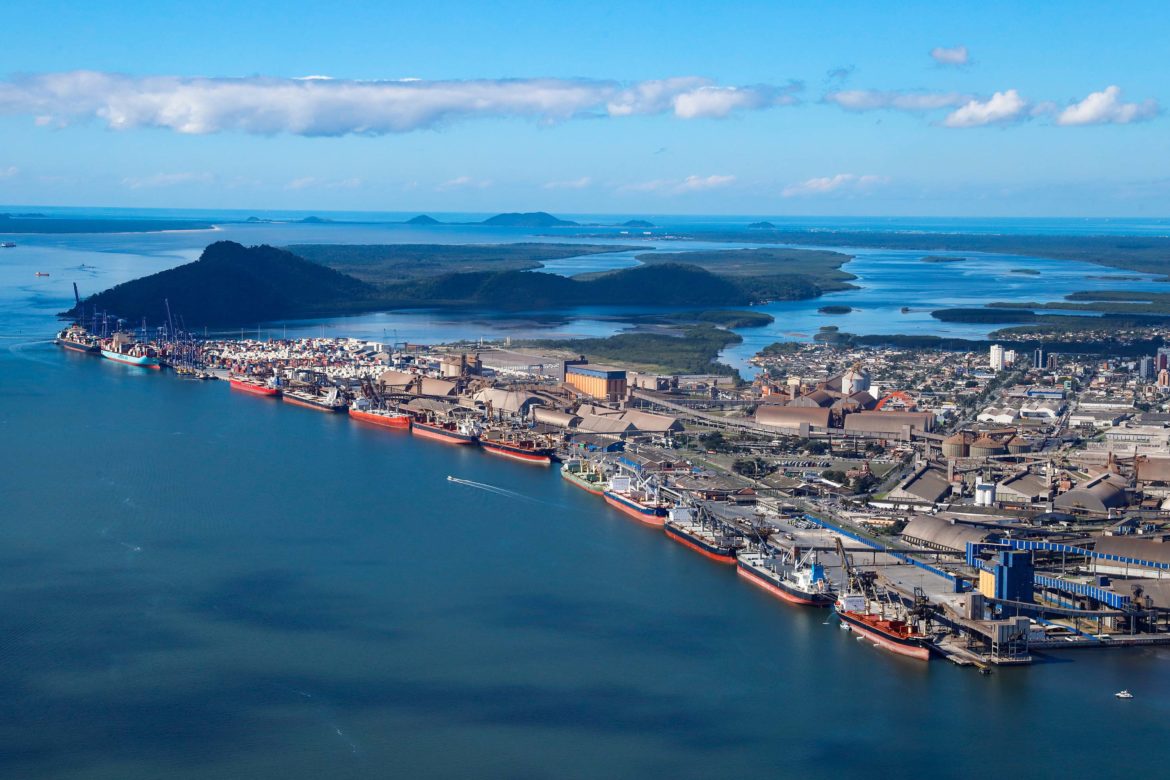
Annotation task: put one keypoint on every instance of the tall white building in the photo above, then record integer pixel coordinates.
(996, 357)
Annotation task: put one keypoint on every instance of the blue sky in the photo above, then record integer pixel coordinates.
(978, 109)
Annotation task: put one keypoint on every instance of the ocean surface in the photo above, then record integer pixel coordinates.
(199, 583)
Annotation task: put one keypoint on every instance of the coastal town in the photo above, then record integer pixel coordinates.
(978, 507)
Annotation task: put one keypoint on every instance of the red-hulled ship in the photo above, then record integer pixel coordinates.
(801, 582)
(254, 385)
(461, 432)
(705, 538)
(364, 411)
(330, 402)
(636, 502)
(523, 448)
(894, 634)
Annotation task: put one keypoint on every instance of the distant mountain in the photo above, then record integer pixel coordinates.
(532, 219)
(638, 223)
(315, 220)
(230, 284)
(761, 226)
(423, 219)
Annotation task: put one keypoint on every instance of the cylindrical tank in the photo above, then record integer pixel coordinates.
(985, 446)
(1018, 444)
(956, 446)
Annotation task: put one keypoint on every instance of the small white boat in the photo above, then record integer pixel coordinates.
(1123, 695)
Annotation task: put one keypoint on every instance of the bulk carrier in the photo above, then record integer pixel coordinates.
(366, 412)
(706, 537)
(639, 502)
(585, 475)
(461, 432)
(255, 385)
(331, 402)
(888, 624)
(797, 581)
(518, 446)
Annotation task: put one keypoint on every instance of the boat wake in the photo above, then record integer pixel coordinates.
(499, 491)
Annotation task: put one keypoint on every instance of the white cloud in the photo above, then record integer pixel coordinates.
(954, 55)
(464, 182)
(572, 184)
(899, 100)
(842, 182)
(9, 172)
(681, 186)
(166, 180)
(1105, 107)
(320, 106)
(1001, 108)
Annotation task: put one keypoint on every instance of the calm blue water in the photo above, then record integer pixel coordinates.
(196, 583)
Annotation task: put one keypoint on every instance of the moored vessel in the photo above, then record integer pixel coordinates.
(892, 633)
(801, 582)
(707, 538)
(330, 402)
(124, 348)
(585, 475)
(521, 447)
(639, 502)
(364, 411)
(462, 432)
(255, 385)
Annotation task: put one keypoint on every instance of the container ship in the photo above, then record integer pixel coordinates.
(803, 582)
(894, 634)
(461, 432)
(255, 385)
(637, 502)
(363, 410)
(521, 447)
(705, 538)
(330, 402)
(584, 475)
(124, 348)
(78, 339)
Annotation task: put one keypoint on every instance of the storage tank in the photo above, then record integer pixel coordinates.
(985, 447)
(956, 446)
(1018, 444)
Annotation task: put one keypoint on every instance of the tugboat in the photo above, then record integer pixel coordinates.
(640, 502)
(690, 528)
(332, 401)
(124, 348)
(585, 475)
(78, 339)
(366, 412)
(797, 581)
(518, 446)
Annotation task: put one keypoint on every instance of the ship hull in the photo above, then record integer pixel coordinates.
(129, 360)
(711, 551)
(76, 346)
(584, 484)
(319, 406)
(399, 422)
(911, 648)
(652, 516)
(538, 457)
(254, 389)
(435, 433)
(782, 590)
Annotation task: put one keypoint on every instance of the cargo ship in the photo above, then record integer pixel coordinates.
(364, 411)
(683, 526)
(584, 475)
(330, 402)
(124, 348)
(521, 447)
(640, 503)
(894, 634)
(803, 582)
(78, 339)
(447, 431)
(255, 385)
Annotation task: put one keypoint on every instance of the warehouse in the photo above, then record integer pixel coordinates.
(604, 382)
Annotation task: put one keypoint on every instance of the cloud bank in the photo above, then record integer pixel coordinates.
(898, 100)
(842, 182)
(681, 186)
(954, 55)
(320, 106)
(1001, 108)
(1106, 107)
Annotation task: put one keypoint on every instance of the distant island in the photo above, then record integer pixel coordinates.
(942, 259)
(835, 309)
(761, 226)
(637, 223)
(423, 219)
(533, 219)
(231, 284)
